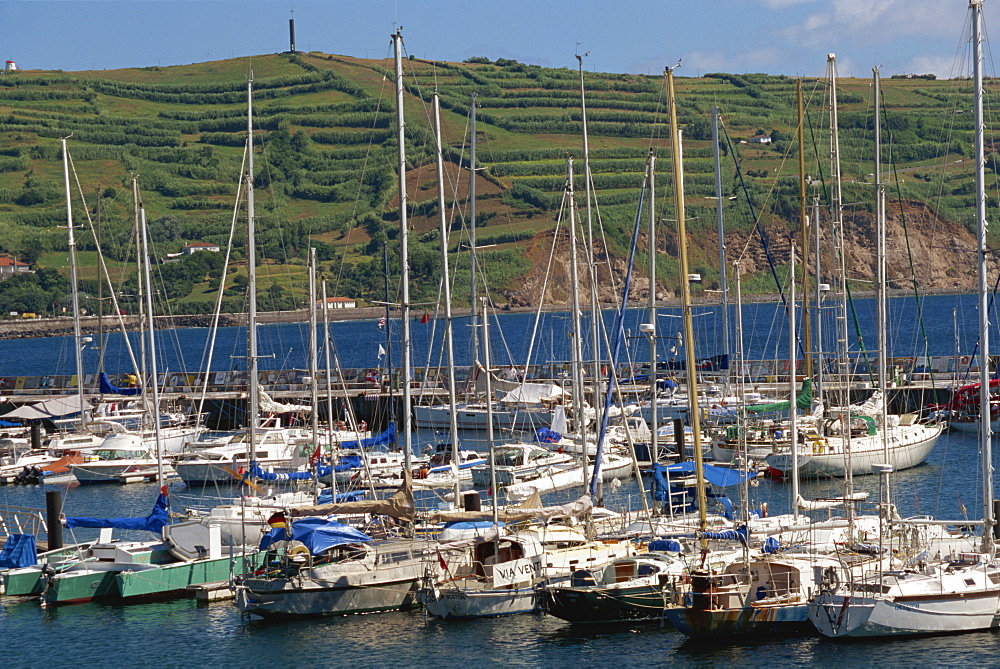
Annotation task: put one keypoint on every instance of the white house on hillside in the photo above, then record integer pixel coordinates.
(200, 246)
(338, 303)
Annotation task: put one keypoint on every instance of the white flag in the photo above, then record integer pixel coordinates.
(381, 352)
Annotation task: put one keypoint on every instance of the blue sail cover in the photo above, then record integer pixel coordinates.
(347, 462)
(318, 535)
(741, 534)
(722, 477)
(154, 522)
(327, 497)
(20, 550)
(386, 437)
(107, 388)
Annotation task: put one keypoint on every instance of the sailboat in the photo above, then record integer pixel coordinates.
(960, 594)
(853, 439)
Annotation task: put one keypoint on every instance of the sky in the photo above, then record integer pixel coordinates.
(791, 37)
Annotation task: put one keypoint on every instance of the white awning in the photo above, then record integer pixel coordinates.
(54, 408)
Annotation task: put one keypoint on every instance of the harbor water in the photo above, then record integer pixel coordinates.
(185, 633)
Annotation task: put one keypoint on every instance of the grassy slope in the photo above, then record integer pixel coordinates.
(529, 121)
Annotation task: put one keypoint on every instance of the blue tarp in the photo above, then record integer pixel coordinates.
(7, 423)
(547, 436)
(741, 534)
(771, 545)
(154, 522)
(671, 545)
(386, 437)
(318, 534)
(20, 550)
(107, 388)
(717, 476)
(347, 462)
(326, 497)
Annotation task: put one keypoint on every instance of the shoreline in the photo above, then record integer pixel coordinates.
(89, 325)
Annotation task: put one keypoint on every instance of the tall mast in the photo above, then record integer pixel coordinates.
(329, 387)
(474, 299)
(489, 416)
(721, 231)
(881, 276)
(75, 290)
(817, 256)
(576, 352)
(152, 343)
(985, 447)
(449, 341)
(692, 380)
(651, 323)
(314, 350)
(595, 308)
(252, 377)
(804, 221)
(404, 256)
(792, 373)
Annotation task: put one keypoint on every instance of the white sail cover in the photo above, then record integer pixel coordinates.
(532, 393)
(268, 405)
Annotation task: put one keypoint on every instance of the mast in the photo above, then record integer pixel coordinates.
(489, 416)
(152, 343)
(252, 377)
(314, 351)
(404, 257)
(692, 381)
(721, 231)
(474, 299)
(75, 290)
(804, 220)
(449, 341)
(651, 324)
(985, 447)
(881, 275)
(576, 351)
(329, 388)
(595, 308)
(792, 373)
(842, 333)
(820, 359)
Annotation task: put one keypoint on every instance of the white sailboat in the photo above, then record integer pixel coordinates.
(962, 593)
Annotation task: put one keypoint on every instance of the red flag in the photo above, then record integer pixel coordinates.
(444, 565)
(315, 456)
(425, 318)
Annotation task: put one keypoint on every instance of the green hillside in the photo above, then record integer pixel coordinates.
(326, 172)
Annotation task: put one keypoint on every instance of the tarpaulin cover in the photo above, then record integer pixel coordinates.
(669, 545)
(107, 388)
(20, 550)
(388, 436)
(154, 522)
(347, 462)
(546, 436)
(771, 545)
(722, 477)
(318, 535)
(400, 505)
(740, 534)
(54, 408)
(326, 496)
(802, 401)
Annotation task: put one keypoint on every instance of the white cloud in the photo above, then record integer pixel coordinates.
(867, 22)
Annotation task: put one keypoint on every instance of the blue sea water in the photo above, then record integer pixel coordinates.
(182, 633)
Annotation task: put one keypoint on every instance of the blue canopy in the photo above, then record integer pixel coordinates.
(386, 437)
(107, 388)
(318, 535)
(717, 476)
(20, 550)
(154, 522)
(347, 462)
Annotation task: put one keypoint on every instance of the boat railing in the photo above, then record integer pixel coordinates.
(21, 520)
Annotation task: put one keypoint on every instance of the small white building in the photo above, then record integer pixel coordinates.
(338, 303)
(11, 266)
(761, 139)
(200, 246)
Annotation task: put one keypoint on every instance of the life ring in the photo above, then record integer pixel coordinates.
(817, 447)
(363, 426)
(339, 425)
(965, 360)
(296, 551)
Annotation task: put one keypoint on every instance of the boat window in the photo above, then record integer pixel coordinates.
(508, 457)
(539, 454)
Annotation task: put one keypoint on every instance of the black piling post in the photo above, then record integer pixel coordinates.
(53, 519)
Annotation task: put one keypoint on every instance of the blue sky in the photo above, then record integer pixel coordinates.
(639, 36)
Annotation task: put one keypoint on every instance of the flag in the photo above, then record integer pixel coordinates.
(381, 352)
(315, 456)
(425, 318)
(277, 520)
(444, 565)
(381, 323)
